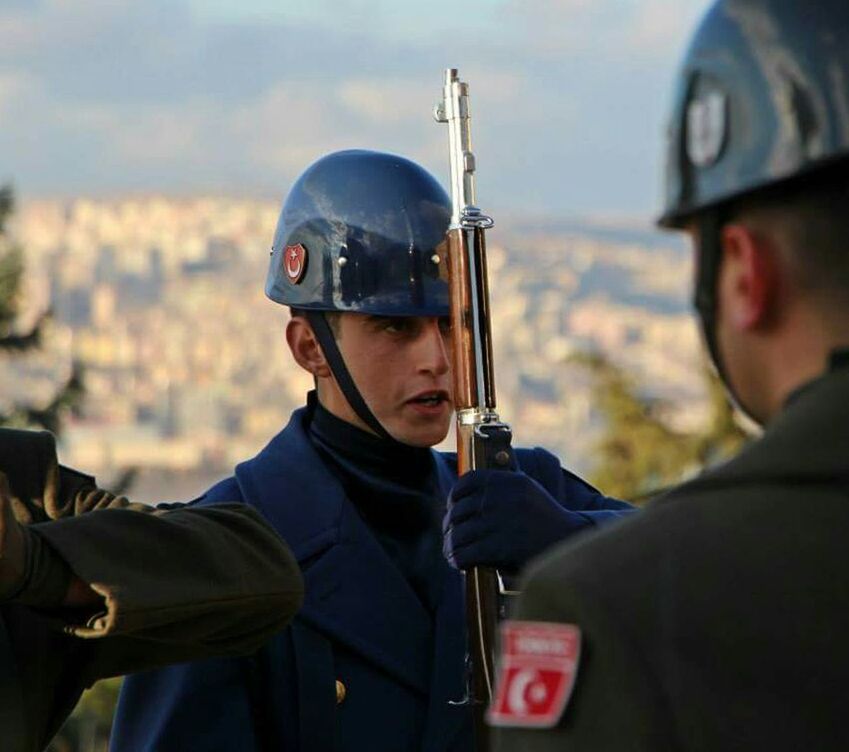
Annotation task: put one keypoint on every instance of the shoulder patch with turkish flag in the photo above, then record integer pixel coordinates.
(539, 661)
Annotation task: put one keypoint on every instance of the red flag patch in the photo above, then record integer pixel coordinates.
(295, 262)
(539, 661)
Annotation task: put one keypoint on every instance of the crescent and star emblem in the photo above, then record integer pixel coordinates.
(519, 694)
(295, 262)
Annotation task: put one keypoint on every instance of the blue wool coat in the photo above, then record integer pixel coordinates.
(361, 624)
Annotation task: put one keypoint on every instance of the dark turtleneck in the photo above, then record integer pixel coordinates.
(395, 489)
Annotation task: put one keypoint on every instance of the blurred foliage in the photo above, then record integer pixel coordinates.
(88, 728)
(11, 265)
(12, 342)
(639, 452)
(723, 437)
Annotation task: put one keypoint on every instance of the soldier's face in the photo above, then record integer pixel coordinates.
(401, 367)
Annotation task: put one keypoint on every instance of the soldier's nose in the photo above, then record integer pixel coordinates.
(435, 350)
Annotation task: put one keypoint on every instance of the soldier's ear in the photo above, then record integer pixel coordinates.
(305, 347)
(750, 279)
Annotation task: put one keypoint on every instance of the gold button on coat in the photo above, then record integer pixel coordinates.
(340, 691)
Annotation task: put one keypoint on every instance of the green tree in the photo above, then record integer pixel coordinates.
(639, 453)
(85, 733)
(14, 343)
(723, 437)
(88, 728)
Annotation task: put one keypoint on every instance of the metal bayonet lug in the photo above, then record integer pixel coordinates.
(472, 218)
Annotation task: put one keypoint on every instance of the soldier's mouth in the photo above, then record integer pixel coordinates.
(430, 399)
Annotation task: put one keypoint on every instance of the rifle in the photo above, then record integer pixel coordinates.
(483, 441)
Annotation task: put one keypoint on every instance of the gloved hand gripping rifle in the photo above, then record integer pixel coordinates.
(483, 441)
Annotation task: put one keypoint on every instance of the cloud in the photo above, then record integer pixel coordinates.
(17, 32)
(284, 129)
(557, 11)
(100, 96)
(380, 102)
(13, 86)
(293, 123)
(659, 27)
(606, 30)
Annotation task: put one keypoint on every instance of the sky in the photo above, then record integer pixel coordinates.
(105, 98)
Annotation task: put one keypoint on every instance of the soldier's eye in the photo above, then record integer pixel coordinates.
(398, 325)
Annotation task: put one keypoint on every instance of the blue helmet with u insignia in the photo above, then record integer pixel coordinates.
(363, 232)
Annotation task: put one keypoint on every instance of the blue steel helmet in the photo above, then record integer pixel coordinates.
(362, 231)
(762, 98)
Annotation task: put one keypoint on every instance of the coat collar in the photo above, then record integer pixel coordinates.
(354, 592)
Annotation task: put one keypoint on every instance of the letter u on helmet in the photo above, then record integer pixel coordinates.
(762, 97)
(364, 232)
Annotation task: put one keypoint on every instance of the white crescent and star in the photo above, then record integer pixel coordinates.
(294, 264)
(518, 694)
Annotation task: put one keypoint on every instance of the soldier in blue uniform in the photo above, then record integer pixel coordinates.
(375, 659)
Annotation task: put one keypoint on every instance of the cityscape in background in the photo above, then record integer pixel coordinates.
(186, 368)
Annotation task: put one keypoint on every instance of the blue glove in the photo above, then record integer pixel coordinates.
(502, 519)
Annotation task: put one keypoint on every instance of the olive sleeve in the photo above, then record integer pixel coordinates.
(217, 579)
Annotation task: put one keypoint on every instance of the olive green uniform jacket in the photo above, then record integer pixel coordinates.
(719, 618)
(177, 584)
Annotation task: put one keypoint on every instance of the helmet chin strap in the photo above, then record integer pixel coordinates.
(325, 337)
(708, 260)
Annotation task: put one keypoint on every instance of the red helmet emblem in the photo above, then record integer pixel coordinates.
(295, 262)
